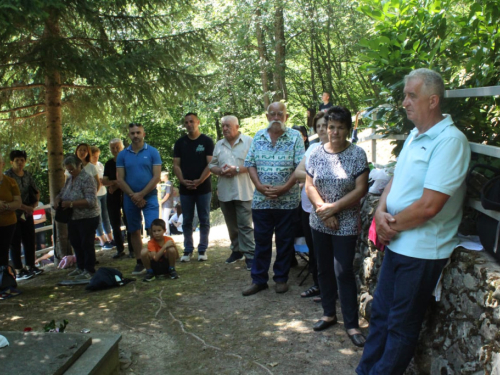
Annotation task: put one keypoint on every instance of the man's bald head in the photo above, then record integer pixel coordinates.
(276, 114)
(230, 127)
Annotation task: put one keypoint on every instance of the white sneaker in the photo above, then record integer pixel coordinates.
(186, 257)
(202, 258)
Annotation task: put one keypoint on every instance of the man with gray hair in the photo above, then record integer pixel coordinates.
(274, 155)
(235, 189)
(417, 219)
(115, 199)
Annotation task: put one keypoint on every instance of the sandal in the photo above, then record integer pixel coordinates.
(357, 339)
(311, 292)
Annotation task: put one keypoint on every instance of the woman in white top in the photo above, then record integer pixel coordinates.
(103, 232)
(175, 221)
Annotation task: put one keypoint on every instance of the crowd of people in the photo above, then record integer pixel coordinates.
(271, 185)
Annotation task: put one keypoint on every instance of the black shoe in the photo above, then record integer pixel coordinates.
(35, 270)
(131, 256)
(24, 275)
(119, 254)
(234, 257)
(149, 277)
(173, 273)
(311, 292)
(321, 325)
(358, 339)
(254, 288)
(139, 269)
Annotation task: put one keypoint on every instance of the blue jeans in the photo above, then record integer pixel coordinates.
(202, 203)
(104, 226)
(403, 293)
(265, 224)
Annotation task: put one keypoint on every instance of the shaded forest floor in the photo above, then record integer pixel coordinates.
(198, 324)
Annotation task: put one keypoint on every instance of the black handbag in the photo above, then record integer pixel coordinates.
(63, 215)
(7, 278)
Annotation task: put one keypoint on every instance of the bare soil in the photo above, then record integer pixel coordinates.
(198, 324)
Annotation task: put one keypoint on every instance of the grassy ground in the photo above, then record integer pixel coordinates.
(198, 324)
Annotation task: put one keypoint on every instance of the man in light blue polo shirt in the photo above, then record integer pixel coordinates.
(138, 170)
(417, 218)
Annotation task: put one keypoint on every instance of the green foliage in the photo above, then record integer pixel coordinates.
(459, 40)
(51, 327)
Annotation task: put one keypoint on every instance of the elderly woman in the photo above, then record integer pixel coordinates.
(25, 227)
(320, 127)
(79, 194)
(10, 201)
(337, 179)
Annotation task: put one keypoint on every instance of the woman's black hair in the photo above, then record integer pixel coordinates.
(159, 223)
(303, 131)
(340, 114)
(178, 209)
(18, 154)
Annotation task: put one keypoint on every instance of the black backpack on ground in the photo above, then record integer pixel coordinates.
(7, 278)
(107, 277)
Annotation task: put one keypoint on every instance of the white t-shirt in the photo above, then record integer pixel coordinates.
(176, 219)
(306, 203)
(100, 172)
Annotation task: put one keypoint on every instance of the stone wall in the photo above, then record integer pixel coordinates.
(460, 334)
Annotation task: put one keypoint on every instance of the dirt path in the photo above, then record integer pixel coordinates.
(198, 324)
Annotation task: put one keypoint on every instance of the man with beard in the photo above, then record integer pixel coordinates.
(138, 169)
(271, 161)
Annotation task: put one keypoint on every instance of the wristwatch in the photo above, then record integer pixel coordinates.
(237, 169)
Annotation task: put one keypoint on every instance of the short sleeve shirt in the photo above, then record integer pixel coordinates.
(154, 246)
(24, 182)
(437, 160)
(239, 187)
(275, 164)
(166, 188)
(334, 175)
(8, 190)
(193, 154)
(306, 203)
(100, 173)
(139, 166)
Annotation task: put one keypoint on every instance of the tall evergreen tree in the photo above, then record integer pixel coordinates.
(77, 60)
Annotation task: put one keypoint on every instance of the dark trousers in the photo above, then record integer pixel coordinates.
(81, 235)
(6, 234)
(174, 230)
(306, 229)
(335, 256)
(403, 293)
(114, 205)
(25, 234)
(266, 223)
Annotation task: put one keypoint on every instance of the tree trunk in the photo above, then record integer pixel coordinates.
(54, 140)
(279, 47)
(262, 58)
(218, 129)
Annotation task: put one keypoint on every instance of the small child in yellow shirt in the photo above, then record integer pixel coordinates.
(160, 256)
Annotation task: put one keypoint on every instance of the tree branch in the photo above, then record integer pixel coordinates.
(22, 87)
(23, 117)
(25, 107)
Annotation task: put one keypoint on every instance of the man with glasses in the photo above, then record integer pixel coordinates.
(274, 155)
(138, 169)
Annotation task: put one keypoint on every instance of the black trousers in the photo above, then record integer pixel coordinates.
(6, 234)
(25, 234)
(335, 256)
(114, 204)
(81, 235)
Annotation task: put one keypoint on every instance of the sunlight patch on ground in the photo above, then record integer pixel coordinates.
(266, 333)
(15, 317)
(281, 339)
(347, 351)
(296, 326)
(81, 313)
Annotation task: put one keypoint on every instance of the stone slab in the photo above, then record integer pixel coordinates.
(37, 353)
(101, 358)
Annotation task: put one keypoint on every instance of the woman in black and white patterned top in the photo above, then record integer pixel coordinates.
(337, 179)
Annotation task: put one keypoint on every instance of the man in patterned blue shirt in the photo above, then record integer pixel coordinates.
(271, 161)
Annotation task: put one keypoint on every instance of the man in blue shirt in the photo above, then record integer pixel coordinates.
(138, 169)
(274, 155)
(417, 219)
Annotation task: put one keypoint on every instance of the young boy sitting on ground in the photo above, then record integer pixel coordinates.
(160, 256)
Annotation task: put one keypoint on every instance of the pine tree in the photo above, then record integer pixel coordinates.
(78, 60)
